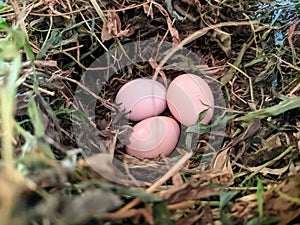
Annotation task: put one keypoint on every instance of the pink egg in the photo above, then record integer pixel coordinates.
(187, 96)
(153, 137)
(142, 98)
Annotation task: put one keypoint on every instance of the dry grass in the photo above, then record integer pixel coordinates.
(48, 175)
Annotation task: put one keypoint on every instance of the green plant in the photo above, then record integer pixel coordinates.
(12, 46)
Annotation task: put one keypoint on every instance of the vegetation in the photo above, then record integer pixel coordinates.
(62, 158)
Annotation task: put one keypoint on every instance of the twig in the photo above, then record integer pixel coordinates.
(102, 100)
(158, 183)
(229, 74)
(191, 38)
(249, 78)
(51, 93)
(287, 63)
(60, 14)
(99, 11)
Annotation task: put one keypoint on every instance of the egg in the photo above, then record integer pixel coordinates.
(187, 96)
(142, 98)
(153, 136)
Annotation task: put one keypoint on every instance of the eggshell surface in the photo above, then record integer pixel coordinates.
(187, 96)
(142, 98)
(153, 137)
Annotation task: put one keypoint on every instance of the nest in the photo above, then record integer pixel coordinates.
(85, 51)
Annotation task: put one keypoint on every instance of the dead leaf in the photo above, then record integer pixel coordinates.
(112, 29)
(102, 164)
(222, 164)
(230, 73)
(265, 171)
(104, 167)
(193, 189)
(191, 218)
(244, 207)
(223, 40)
(275, 204)
(173, 31)
(252, 129)
(273, 147)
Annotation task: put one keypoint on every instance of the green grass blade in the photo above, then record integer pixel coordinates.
(260, 200)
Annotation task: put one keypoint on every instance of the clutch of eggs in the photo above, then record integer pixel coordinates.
(153, 136)
(187, 96)
(144, 99)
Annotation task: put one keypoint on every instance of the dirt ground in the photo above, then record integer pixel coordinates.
(63, 137)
